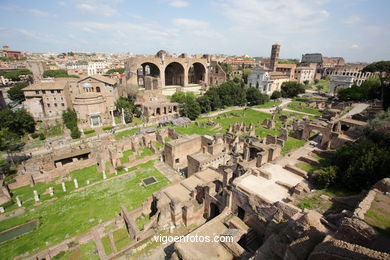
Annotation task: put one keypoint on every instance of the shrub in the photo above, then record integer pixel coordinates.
(75, 133)
(276, 94)
(89, 131)
(42, 136)
(325, 177)
(105, 128)
(120, 168)
(34, 135)
(316, 81)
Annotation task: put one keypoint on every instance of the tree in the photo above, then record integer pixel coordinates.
(119, 70)
(57, 74)
(319, 87)
(204, 103)
(276, 94)
(15, 93)
(306, 82)
(245, 74)
(292, 89)
(189, 107)
(381, 67)
(255, 97)
(14, 75)
(69, 117)
(10, 142)
(18, 122)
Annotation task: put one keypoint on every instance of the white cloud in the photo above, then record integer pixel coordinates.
(97, 8)
(188, 23)
(179, 3)
(354, 46)
(40, 13)
(352, 20)
(278, 16)
(62, 3)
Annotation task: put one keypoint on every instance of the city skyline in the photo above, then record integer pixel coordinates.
(356, 30)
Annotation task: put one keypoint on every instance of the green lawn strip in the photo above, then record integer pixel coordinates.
(89, 173)
(291, 144)
(378, 215)
(303, 107)
(121, 238)
(269, 104)
(87, 251)
(106, 245)
(140, 221)
(75, 213)
(304, 166)
(126, 154)
(118, 136)
(145, 152)
(157, 144)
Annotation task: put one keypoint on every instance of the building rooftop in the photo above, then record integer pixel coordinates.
(100, 78)
(53, 84)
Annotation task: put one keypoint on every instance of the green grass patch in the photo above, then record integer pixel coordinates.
(118, 136)
(106, 128)
(126, 154)
(157, 144)
(141, 220)
(89, 131)
(303, 107)
(304, 166)
(309, 203)
(145, 152)
(76, 212)
(378, 215)
(106, 245)
(121, 238)
(89, 173)
(291, 144)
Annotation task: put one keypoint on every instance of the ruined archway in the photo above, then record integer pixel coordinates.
(147, 69)
(174, 74)
(196, 73)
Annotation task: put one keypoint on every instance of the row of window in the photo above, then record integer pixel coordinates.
(55, 104)
(44, 91)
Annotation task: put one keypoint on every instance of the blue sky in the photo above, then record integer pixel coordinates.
(358, 30)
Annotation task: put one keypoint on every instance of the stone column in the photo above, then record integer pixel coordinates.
(51, 191)
(123, 117)
(113, 118)
(36, 197)
(185, 77)
(104, 175)
(18, 202)
(63, 186)
(76, 184)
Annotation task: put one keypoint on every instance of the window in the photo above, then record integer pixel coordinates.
(177, 160)
(55, 104)
(63, 104)
(52, 91)
(36, 91)
(97, 89)
(48, 105)
(43, 91)
(58, 91)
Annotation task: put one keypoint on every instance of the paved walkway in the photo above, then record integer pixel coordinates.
(357, 108)
(168, 172)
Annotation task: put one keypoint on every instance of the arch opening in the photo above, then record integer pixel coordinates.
(196, 73)
(174, 74)
(147, 69)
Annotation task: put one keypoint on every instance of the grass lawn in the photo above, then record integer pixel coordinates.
(304, 166)
(314, 201)
(378, 215)
(106, 245)
(302, 107)
(118, 136)
(126, 154)
(269, 104)
(89, 173)
(84, 251)
(121, 238)
(140, 221)
(248, 116)
(145, 152)
(77, 212)
(291, 144)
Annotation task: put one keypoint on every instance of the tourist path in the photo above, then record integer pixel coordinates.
(357, 108)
